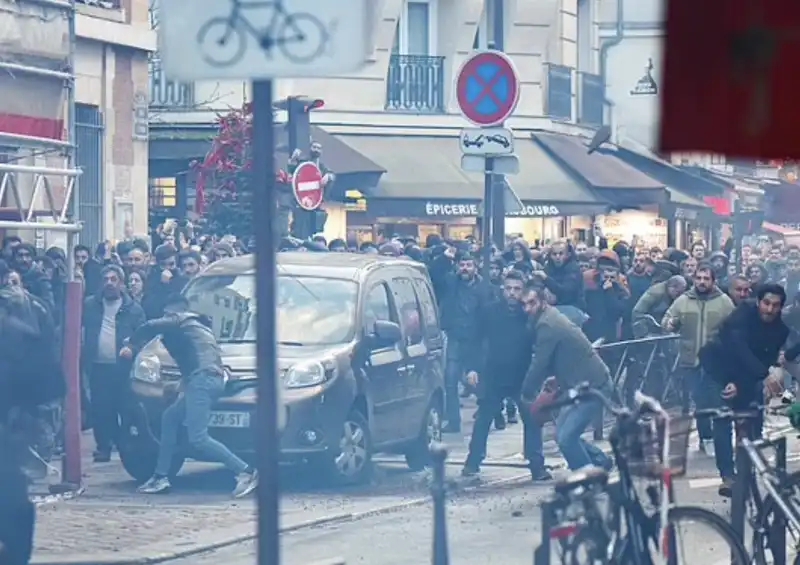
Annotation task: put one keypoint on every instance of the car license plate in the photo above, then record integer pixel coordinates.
(229, 420)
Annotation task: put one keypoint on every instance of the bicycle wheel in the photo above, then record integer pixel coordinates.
(762, 554)
(700, 536)
(221, 44)
(302, 38)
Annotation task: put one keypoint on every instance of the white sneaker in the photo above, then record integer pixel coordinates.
(245, 484)
(787, 397)
(707, 447)
(155, 485)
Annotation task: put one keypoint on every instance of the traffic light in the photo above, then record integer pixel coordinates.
(298, 121)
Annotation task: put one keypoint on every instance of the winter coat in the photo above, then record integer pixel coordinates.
(697, 318)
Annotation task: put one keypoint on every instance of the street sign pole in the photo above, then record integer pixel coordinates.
(488, 206)
(267, 405)
(487, 92)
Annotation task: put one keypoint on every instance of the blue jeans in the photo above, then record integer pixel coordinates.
(193, 409)
(705, 395)
(572, 421)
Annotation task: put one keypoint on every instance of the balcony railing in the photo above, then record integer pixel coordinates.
(415, 83)
(169, 94)
(591, 99)
(558, 96)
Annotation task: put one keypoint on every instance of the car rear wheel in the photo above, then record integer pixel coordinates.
(418, 456)
(352, 462)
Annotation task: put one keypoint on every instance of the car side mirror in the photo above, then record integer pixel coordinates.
(386, 334)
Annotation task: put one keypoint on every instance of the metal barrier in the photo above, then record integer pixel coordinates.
(441, 554)
(742, 493)
(631, 362)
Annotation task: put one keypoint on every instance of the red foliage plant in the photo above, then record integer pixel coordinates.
(223, 190)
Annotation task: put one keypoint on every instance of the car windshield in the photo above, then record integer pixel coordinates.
(310, 310)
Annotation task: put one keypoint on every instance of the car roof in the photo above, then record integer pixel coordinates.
(350, 266)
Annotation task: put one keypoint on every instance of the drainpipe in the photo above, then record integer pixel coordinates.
(608, 43)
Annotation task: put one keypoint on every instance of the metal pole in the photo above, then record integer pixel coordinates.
(741, 491)
(438, 492)
(777, 537)
(265, 205)
(71, 477)
(486, 231)
(499, 203)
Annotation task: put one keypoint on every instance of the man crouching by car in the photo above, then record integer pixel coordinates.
(563, 352)
(189, 340)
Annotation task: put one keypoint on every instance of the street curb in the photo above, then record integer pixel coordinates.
(160, 553)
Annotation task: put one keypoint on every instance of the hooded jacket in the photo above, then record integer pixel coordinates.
(605, 307)
(188, 339)
(566, 281)
(697, 318)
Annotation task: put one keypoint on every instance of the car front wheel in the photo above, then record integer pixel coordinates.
(139, 455)
(351, 462)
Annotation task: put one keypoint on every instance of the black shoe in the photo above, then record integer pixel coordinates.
(102, 456)
(726, 488)
(512, 418)
(499, 422)
(541, 475)
(470, 470)
(451, 429)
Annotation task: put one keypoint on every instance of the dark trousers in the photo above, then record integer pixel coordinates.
(17, 514)
(107, 387)
(700, 387)
(453, 374)
(723, 428)
(489, 404)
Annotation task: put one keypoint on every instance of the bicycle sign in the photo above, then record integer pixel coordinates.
(202, 39)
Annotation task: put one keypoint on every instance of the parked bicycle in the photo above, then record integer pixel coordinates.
(781, 502)
(591, 519)
(300, 37)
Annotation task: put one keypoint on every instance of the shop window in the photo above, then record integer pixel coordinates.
(460, 231)
(163, 192)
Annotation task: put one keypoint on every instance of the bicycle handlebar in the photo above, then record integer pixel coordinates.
(751, 413)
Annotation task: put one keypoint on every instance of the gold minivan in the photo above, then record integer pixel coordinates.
(360, 358)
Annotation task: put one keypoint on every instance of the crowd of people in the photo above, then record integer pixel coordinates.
(515, 336)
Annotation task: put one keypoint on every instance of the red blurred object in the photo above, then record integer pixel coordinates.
(728, 81)
(315, 104)
(538, 408)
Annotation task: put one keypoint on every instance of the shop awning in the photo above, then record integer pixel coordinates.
(681, 198)
(779, 230)
(424, 178)
(611, 178)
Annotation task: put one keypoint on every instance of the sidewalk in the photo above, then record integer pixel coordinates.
(110, 523)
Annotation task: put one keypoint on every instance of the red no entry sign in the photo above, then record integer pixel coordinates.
(307, 186)
(487, 88)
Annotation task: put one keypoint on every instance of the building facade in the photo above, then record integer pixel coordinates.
(75, 84)
(402, 104)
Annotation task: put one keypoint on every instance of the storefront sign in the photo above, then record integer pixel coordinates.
(685, 214)
(453, 209)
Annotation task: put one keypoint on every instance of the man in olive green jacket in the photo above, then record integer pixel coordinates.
(696, 315)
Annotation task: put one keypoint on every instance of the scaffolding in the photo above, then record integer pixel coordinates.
(28, 56)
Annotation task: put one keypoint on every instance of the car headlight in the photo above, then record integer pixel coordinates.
(147, 365)
(309, 373)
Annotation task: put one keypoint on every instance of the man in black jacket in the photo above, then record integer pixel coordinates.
(462, 296)
(738, 359)
(562, 276)
(110, 318)
(164, 280)
(508, 346)
(27, 381)
(33, 279)
(189, 340)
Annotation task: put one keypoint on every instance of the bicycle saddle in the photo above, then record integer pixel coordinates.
(585, 477)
